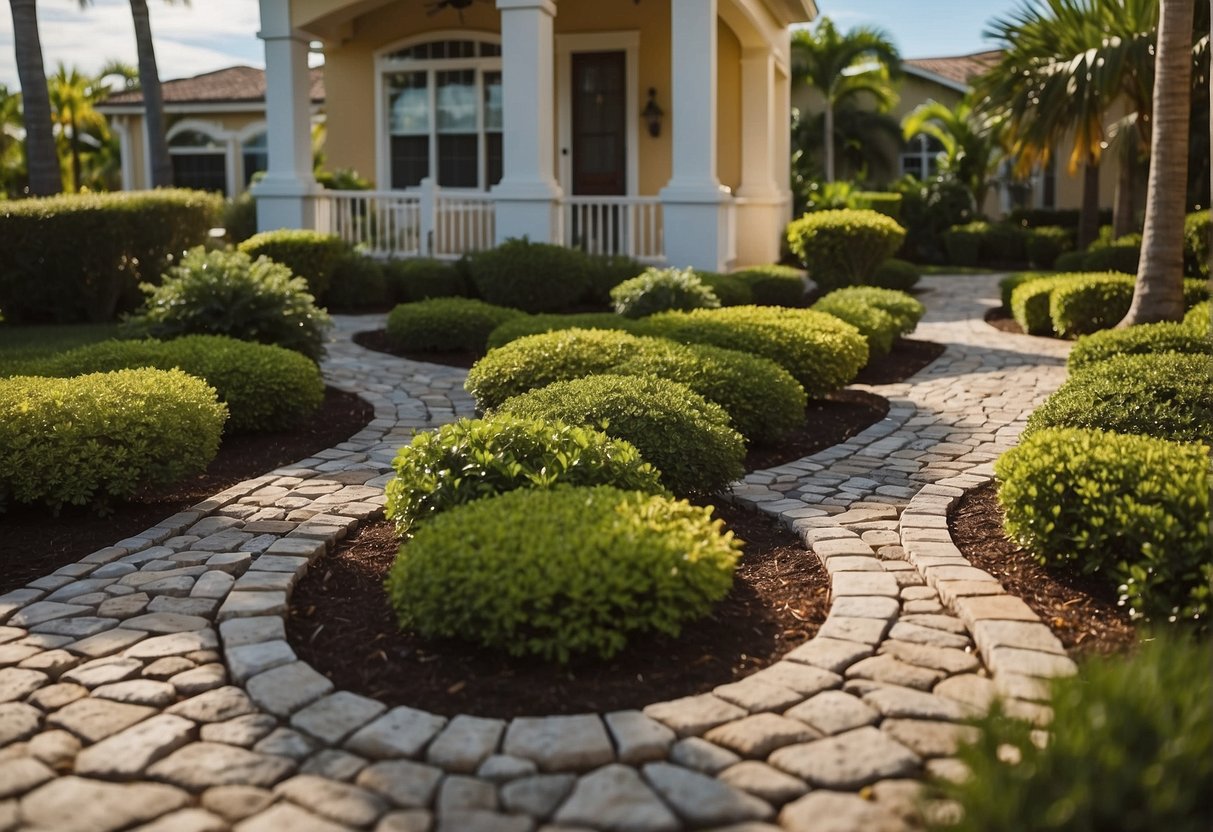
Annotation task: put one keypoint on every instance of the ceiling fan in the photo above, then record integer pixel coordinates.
(435, 6)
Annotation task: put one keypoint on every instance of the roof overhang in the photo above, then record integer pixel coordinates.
(794, 11)
(185, 108)
(934, 77)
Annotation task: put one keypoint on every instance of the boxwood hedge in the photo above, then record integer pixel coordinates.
(1031, 300)
(731, 290)
(843, 247)
(475, 458)
(443, 324)
(660, 290)
(895, 274)
(95, 439)
(686, 437)
(534, 277)
(563, 572)
(417, 279)
(308, 254)
(1145, 338)
(1200, 317)
(524, 325)
(773, 285)
(874, 324)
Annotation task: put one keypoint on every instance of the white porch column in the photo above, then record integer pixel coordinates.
(693, 201)
(285, 197)
(760, 201)
(528, 195)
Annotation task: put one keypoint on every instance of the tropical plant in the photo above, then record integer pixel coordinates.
(73, 96)
(843, 67)
(12, 161)
(42, 163)
(970, 139)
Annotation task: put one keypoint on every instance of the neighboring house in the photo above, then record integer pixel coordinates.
(216, 129)
(653, 128)
(947, 80)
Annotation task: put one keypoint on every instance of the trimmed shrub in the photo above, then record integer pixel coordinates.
(533, 277)
(1089, 305)
(443, 324)
(308, 254)
(905, 310)
(265, 388)
(1113, 258)
(358, 283)
(1012, 281)
(1200, 317)
(1198, 239)
(226, 293)
(874, 324)
(1166, 395)
(94, 439)
(1130, 748)
(1004, 244)
(476, 458)
(1139, 340)
(409, 281)
(900, 275)
(1031, 300)
(1070, 261)
(822, 352)
(1045, 244)
(842, 248)
(1132, 508)
(67, 259)
(524, 325)
(686, 437)
(562, 572)
(240, 218)
(963, 243)
(881, 202)
(660, 290)
(730, 288)
(774, 285)
(606, 272)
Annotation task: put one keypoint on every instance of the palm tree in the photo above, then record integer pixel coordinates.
(153, 99)
(1158, 294)
(12, 162)
(42, 162)
(971, 142)
(844, 67)
(72, 98)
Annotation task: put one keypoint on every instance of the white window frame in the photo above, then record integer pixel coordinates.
(385, 65)
(249, 131)
(229, 149)
(923, 153)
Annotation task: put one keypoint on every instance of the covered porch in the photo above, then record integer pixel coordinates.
(655, 129)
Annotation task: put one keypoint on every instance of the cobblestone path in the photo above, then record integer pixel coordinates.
(150, 685)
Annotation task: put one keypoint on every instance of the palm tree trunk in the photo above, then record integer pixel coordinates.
(829, 140)
(1088, 218)
(42, 162)
(1158, 294)
(75, 148)
(153, 100)
(1122, 212)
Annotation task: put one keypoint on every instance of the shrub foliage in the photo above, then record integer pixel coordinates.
(308, 254)
(442, 324)
(660, 290)
(1137, 340)
(523, 325)
(772, 285)
(534, 277)
(842, 248)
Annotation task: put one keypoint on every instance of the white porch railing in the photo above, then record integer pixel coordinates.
(462, 223)
(386, 223)
(623, 225)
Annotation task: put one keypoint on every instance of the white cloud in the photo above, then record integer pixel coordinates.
(199, 37)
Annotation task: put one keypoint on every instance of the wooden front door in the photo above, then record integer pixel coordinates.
(600, 157)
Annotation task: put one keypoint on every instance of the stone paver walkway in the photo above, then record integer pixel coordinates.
(151, 686)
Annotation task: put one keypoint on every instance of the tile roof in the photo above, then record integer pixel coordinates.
(960, 69)
(236, 84)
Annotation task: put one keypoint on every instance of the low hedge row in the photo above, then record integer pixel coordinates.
(684, 436)
(476, 458)
(98, 438)
(265, 388)
(1081, 303)
(905, 310)
(662, 290)
(562, 572)
(1200, 317)
(444, 324)
(1004, 243)
(1138, 340)
(772, 285)
(1031, 299)
(843, 247)
(75, 258)
(533, 277)
(822, 352)
(409, 281)
(730, 289)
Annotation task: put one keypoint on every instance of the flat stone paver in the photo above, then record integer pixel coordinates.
(158, 669)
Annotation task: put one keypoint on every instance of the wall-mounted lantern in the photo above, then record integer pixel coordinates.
(652, 114)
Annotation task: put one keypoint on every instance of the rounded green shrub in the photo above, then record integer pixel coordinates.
(686, 437)
(900, 275)
(842, 248)
(1130, 748)
(1200, 317)
(308, 254)
(730, 289)
(773, 285)
(1198, 238)
(1045, 244)
(1132, 508)
(475, 458)
(443, 324)
(524, 325)
(1011, 282)
(412, 280)
(562, 572)
(660, 290)
(358, 284)
(240, 218)
(963, 243)
(1165, 395)
(1141, 339)
(1087, 306)
(226, 293)
(265, 388)
(1071, 261)
(98, 438)
(1004, 244)
(822, 352)
(1031, 300)
(1118, 257)
(533, 277)
(905, 310)
(606, 271)
(874, 324)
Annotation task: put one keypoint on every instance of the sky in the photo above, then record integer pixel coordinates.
(212, 34)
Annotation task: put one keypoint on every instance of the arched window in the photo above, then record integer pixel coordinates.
(254, 153)
(442, 101)
(920, 159)
(199, 161)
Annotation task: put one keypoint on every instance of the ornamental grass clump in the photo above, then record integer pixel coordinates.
(684, 436)
(1133, 509)
(562, 573)
(445, 324)
(661, 290)
(96, 439)
(476, 458)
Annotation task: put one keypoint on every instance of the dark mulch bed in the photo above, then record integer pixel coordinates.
(907, 358)
(1080, 609)
(377, 340)
(34, 543)
(1000, 318)
(341, 623)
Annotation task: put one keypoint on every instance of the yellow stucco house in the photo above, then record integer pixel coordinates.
(652, 128)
